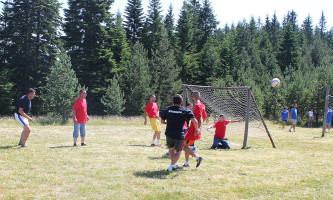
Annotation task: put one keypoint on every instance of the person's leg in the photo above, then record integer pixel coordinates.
(215, 143)
(76, 132)
(225, 144)
(25, 134)
(82, 133)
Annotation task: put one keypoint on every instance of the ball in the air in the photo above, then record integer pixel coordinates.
(275, 82)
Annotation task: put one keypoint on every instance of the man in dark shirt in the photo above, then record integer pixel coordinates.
(174, 117)
(21, 115)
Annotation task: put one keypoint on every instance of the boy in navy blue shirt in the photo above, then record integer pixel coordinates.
(174, 117)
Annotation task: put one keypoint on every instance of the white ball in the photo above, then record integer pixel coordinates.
(275, 82)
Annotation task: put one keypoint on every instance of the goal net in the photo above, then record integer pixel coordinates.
(235, 103)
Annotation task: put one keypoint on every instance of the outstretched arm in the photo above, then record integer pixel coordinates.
(211, 126)
(235, 121)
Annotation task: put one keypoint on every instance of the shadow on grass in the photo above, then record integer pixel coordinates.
(159, 174)
(59, 147)
(8, 147)
(138, 145)
(159, 157)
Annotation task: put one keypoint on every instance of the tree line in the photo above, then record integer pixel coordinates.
(120, 60)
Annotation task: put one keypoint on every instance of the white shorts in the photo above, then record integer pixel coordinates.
(22, 120)
(294, 121)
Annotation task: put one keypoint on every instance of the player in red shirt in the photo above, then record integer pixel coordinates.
(80, 117)
(153, 114)
(219, 136)
(199, 112)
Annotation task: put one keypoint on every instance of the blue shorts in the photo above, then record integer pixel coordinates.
(328, 121)
(79, 127)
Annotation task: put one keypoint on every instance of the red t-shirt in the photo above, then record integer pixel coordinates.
(152, 110)
(80, 107)
(220, 128)
(198, 111)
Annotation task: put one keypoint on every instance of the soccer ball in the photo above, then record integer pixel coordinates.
(275, 82)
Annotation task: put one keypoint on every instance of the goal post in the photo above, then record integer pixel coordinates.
(234, 102)
(327, 104)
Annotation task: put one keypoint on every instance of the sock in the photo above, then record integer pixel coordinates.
(196, 157)
(170, 167)
(158, 142)
(153, 142)
(186, 163)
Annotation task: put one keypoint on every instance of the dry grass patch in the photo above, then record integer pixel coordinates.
(119, 163)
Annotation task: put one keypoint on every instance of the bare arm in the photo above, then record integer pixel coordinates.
(195, 123)
(235, 121)
(145, 114)
(163, 121)
(211, 126)
(74, 116)
(24, 115)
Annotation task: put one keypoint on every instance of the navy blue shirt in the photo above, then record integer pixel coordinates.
(176, 116)
(24, 103)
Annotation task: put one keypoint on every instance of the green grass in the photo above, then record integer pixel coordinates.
(119, 164)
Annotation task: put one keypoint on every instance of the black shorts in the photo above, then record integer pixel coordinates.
(174, 143)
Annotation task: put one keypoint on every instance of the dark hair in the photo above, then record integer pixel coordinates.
(177, 99)
(189, 103)
(82, 91)
(152, 95)
(221, 115)
(31, 90)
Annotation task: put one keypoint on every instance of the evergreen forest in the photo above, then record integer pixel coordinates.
(123, 58)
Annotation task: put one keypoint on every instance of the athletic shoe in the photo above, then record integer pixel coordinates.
(186, 165)
(194, 149)
(199, 161)
(20, 143)
(289, 130)
(167, 153)
(83, 144)
(74, 145)
(294, 131)
(152, 145)
(175, 168)
(23, 145)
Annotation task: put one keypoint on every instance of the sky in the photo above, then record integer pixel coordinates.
(233, 11)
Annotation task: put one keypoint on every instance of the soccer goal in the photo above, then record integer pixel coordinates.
(235, 103)
(328, 104)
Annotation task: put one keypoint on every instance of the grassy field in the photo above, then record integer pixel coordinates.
(119, 163)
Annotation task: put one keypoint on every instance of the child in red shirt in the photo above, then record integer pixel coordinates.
(219, 136)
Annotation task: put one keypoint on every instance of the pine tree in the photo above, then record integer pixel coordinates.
(31, 43)
(61, 88)
(120, 49)
(322, 25)
(209, 62)
(207, 23)
(153, 27)
(134, 20)
(308, 29)
(136, 81)
(169, 22)
(165, 73)
(113, 100)
(289, 54)
(88, 44)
